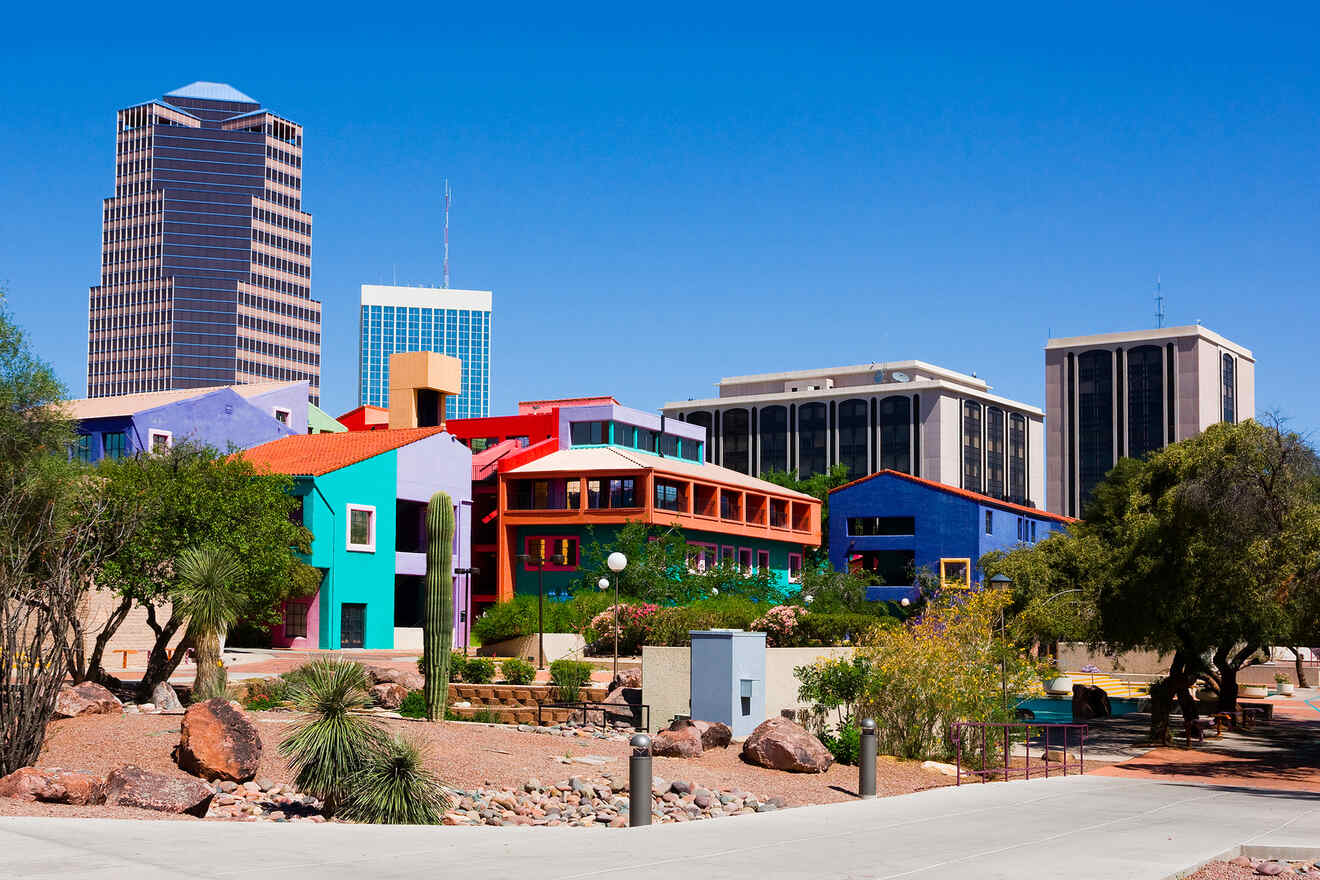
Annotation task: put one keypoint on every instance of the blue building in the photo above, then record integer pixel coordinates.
(892, 525)
(451, 322)
(239, 416)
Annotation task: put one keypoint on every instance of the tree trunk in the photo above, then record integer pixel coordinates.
(1228, 667)
(92, 668)
(160, 665)
(210, 679)
(1301, 670)
(1176, 685)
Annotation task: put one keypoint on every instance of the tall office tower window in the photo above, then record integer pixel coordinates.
(773, 424)
(896, 434)
(1017, 458)
(994, 452)
(735, 426)
(1229, 395)
(1145, 409)
(206, 252)
(972, 457)
(703, 419)
(447, 321)
(813, 439)
(1095, 418)
(854, 425)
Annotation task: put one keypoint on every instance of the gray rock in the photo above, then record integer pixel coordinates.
(165, 699)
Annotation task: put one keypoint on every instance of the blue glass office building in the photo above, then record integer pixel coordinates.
(452, 322)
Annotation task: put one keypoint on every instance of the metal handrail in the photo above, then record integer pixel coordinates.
(638, 712)
(963, 731)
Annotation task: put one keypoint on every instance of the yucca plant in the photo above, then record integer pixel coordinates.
(206, 597)
(333, 741)
(393, 788)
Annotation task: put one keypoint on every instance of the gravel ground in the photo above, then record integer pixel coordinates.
(1234, 871)
(464, 755)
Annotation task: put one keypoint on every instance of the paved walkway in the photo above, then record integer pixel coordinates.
(1082, 827)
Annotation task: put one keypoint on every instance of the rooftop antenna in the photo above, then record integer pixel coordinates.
(1159, 303)
(448, 196)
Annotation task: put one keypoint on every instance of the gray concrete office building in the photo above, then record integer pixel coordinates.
(907, 416)
(1118, 395)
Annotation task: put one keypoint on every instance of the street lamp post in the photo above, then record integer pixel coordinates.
(527, 560)
(1003, 581)
(617, 562)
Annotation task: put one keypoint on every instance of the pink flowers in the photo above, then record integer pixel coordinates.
(780, 624)
(634, 625)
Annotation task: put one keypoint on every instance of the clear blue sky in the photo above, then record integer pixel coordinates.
(709, 191)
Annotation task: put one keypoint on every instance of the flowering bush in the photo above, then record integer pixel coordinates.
(781, 625)
(634, 626)
(940, 668)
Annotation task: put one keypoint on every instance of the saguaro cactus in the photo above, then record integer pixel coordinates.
(438, 629)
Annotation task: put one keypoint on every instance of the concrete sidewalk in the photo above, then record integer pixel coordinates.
(1082, 827)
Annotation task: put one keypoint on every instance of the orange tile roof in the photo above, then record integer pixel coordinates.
(965, 493)
(315, 454)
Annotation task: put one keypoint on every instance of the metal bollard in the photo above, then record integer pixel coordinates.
(866, 760)
(639, 781)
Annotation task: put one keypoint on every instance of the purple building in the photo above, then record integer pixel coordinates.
(223, 417)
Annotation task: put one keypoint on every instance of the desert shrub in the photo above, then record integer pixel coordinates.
(835, 684)
(569, 677)
(506, 620)
(517, 671)
(265, 694)
(478, 670)
(413, 705)
(845, 744)
(485, 716)
(781, 625)
(295, 676)
(392, 787)
(942, 667)
(670, 626)
(333, 741)
(817, 630)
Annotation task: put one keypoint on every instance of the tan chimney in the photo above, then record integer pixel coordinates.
(419, 383)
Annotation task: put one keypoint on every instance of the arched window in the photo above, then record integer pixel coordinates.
(972, 458)
(994, 452)
(812, 438)
(702, 418)
(773, 424)
(1229, 395)
(1145, 378)
(896, 434)
(735, 427)
(1095, 419)
(853, 428)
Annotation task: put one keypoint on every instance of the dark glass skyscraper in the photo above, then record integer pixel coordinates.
(206, 252)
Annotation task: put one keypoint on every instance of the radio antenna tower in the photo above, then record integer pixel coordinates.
(1159, 300)
(448, 195)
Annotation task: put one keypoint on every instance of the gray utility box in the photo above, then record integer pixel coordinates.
(728, 678)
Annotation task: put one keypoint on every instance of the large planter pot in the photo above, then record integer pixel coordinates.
(1253, 691)
(1287, 688)
(1060, 684)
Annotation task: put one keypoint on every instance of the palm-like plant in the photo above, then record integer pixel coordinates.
(393, 788)
(206, 597)
(334, 741)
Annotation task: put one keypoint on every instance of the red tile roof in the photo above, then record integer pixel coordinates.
(964, 493)
(315, 454)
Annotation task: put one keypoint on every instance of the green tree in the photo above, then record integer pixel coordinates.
(1053, 588)
(53, 531)
(206, 598)
(659, 568)
(817, 486)
(1208, 549)
(192, 497)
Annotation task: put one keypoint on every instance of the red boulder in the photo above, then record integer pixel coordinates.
(217, 741)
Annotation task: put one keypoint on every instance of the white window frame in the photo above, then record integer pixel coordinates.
(288, 415)
(349, 509)
(153, 433)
